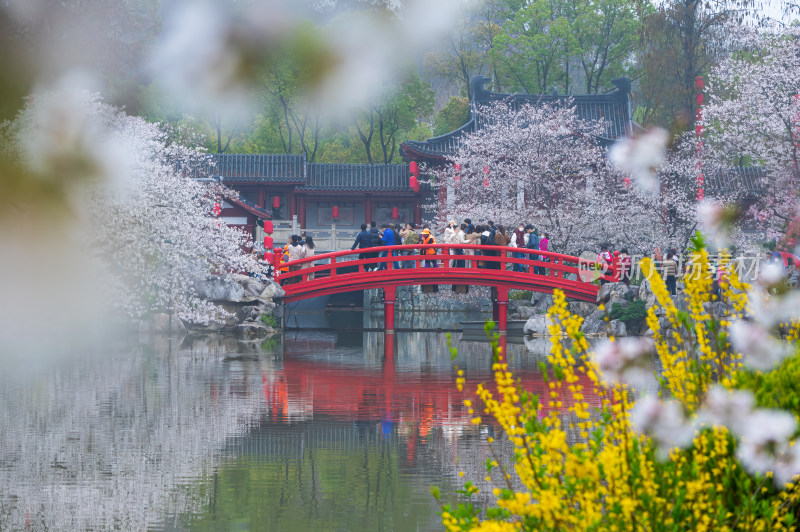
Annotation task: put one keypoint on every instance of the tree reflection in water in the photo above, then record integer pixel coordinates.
(302, 432)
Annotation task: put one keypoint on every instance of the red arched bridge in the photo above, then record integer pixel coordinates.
(502, 268)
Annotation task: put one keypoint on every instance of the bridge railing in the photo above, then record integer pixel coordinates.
(456, 257)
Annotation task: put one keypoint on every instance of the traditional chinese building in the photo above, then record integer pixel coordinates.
(331, 201)
(328, 201)
(614, 108)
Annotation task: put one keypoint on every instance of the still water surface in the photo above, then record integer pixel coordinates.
(308, 431)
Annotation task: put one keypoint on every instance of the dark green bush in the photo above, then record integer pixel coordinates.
(633, 311)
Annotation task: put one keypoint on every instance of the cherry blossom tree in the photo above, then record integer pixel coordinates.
(150, 229)
(542, 165)
(753, 118)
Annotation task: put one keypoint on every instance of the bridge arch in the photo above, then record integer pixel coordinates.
(351, 270)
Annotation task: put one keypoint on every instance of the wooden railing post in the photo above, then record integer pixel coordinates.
(333, 267)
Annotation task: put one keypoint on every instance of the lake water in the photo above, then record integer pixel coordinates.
(321, 430)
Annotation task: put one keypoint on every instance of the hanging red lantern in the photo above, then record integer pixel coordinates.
(217, 208)
(395, 213)
(627, 182)
(414, 180)
(268, 227)
(486, 176)
(457, 168)
(335, 212)
(268, 242)
(276, 202)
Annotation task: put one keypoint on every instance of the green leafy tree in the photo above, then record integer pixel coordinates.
(533, 49)
(606, 32)
(384, 125)
(465, 51)
(681, 40)
(452, 116)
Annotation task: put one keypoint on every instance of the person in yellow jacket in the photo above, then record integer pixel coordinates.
(285, 258)
(427, 238)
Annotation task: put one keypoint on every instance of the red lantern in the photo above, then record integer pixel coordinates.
(486, 176)
(335, 212)
(395, 213)
(268, 227)
(457, 168)
(413, 181)
(627, 182)
(276, 202)
(267, 242)
(217, 208)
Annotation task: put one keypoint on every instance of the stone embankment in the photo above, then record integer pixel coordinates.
(253, 309)
(597, 322)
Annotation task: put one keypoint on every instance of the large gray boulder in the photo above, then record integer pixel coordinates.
(525, 312)
(252, 287)
(618, 328)
(537, 324)
(272, 291)
(541, 302)
(219, 288)
(581, 308)
(595, 323)
(613, 293)
(646, 294)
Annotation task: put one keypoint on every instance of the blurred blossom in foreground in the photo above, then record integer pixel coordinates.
(711, 216)
(62, 142)
(770, 310)
(663, 422)
(211, 60)
(761, 351)
(625, 361)
(764, 444)
(724, 407)
(641, 157)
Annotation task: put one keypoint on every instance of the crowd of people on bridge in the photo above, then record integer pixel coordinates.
(374, 242)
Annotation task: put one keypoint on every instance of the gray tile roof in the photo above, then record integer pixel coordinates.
(613, 108)
(358, 177)
(293, 169)
(255, 168)
(749, 180)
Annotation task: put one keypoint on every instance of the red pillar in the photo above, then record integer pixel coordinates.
(292, 203)
(301, 211)
(262, 198)
(388, 309)
(368, 210)
(502, 310)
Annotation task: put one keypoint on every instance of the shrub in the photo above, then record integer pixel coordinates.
(593, 453)
(633, 311)
(270, 320)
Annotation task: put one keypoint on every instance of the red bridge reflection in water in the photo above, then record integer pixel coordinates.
(415, 403)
